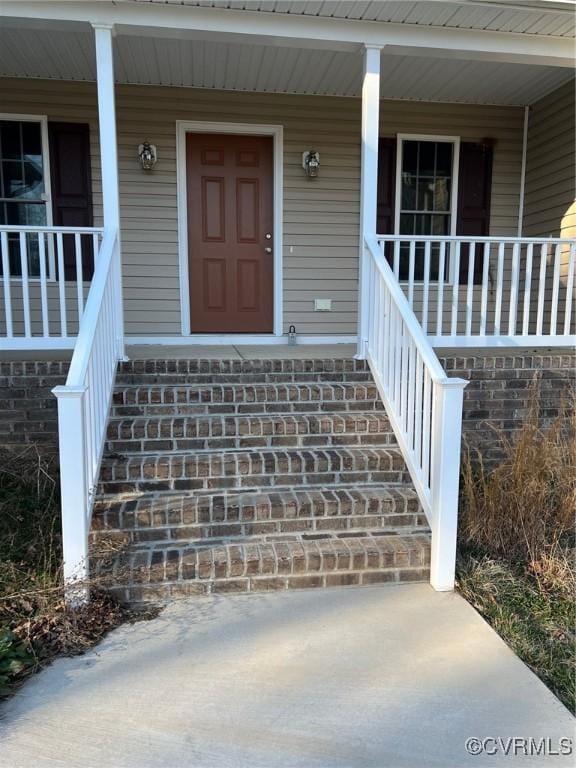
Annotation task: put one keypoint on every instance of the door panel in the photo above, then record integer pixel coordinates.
(230, 212)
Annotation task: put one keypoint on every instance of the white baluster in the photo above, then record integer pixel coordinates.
(555, 290)
(569, 290)
(470, 288)
(440, 296)
(426, 288)
(485, 281)
(514, 285)
(499, 283)
(43, 286)
(7, 287)
(61, 285)
(541, 288)
(455, 285)
(79, 276)
(25, 284)
(411, 260)
(527, 289)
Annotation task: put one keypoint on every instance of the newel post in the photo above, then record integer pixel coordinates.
(103, 37)
(368, 181)
(73, 490)
(445, 478)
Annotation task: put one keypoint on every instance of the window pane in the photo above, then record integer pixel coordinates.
(32, 141)
(407, 223)
(440, 224)
(442, 189)
(410, 156)
(31, 214)
(444, 158)
(12, 177)
(10, 139)
(22, 169)
(408, 192)
(425, 195)
(426, 161)
(33, 181)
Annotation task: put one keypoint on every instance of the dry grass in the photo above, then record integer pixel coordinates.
(35, 623)
(517, 558)
(523, 509)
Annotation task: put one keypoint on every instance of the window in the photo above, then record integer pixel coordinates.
(23, 185)
(426, 188)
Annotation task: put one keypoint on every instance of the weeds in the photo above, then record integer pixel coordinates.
(516, 561)
(35, 623)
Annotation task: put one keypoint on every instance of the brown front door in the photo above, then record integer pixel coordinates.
(230, 215)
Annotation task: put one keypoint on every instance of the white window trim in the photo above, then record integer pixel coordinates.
(47, 196)
(455, 141)
(277, 132)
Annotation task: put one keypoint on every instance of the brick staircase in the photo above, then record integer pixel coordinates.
(252, 475)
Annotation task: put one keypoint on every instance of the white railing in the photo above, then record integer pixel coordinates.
(424, 406)
(488, 291)
(83, 407)
(45, 277)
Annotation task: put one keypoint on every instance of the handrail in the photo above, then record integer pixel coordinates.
(474, 239)
(80, 357)
(424, 406)
(83, 409)
(50, 229)
(420, 339)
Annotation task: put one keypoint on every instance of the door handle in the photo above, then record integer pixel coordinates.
(268, 250)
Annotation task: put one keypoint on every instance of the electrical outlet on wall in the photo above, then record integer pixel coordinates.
(322, 305)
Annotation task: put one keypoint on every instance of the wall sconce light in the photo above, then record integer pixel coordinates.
(311, 163)
(147, 155)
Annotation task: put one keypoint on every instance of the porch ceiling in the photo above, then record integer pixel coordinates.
(537, 17)
(68, 54)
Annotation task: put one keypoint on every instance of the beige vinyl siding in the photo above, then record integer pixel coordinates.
(550, 202)
(320, 216)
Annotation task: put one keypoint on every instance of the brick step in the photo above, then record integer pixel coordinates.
(178, 517)
(251, 469)
(201, 433)
(243, 398)
(244, 378)
(161, 573)
(257, 366)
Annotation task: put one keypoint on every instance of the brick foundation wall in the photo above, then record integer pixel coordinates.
(500, 393)
(28, 409)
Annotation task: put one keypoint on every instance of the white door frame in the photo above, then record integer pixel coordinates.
(277, 132)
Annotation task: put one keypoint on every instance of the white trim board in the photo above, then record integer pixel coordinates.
(277, 132)
(235, 340)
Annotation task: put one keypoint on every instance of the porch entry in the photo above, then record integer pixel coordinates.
(230, 214)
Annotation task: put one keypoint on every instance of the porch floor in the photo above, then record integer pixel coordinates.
(207, 352)
(350, 677)
(265, 352)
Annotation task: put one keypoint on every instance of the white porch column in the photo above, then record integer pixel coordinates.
(368, 179)
(103, 34)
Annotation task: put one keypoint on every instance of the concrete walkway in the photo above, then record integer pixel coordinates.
(371, 677)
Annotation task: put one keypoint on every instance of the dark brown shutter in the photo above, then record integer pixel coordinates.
(386, 186)
(72, 189)
(474, 201)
